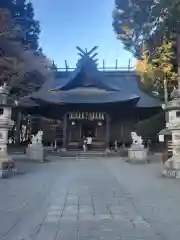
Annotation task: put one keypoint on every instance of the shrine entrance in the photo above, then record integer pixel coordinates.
(78, 125)
(88, 129)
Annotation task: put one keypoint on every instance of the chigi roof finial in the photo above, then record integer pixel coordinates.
(87, 55)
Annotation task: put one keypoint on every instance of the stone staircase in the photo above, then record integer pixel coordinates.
(74, 146)
(91, 154)
(81, 154)
(95, 147)
(88, 154)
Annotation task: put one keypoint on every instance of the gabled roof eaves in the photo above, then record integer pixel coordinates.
(132, 84)
(127, 83)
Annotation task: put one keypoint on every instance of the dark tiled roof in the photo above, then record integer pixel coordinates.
(86, 84)
(130, 82)
(124, 86)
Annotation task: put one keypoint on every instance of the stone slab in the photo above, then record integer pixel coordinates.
(141, 203)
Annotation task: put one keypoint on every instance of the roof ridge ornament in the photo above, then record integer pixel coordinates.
(86, 55)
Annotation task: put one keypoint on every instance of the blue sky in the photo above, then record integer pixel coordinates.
(66, 24)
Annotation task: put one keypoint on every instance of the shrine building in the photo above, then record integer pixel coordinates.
(102, 103)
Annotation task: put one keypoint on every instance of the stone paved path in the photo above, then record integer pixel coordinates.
(90, 199)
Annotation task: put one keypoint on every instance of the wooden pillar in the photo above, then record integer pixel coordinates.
(122, 131)
(107, 133)
(18, 128)
(64, 132)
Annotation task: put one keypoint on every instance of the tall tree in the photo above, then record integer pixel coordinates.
(131, 23)
(24, 70)
(150, 30)
(19, 66)
(23, 13)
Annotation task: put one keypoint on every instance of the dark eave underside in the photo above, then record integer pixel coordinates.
(85, 95)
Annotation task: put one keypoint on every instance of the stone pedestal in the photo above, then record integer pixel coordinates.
(35, 152)
(7, 166)
(137, 155)
(172, 168)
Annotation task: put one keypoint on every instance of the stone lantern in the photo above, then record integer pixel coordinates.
(172, 165)
(7, 166)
